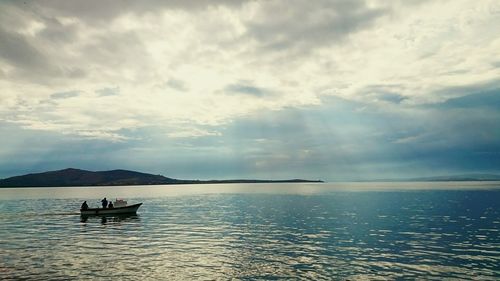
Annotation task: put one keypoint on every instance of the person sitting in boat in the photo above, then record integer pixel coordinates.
(104, 203)
(110, 205)
(84, 206)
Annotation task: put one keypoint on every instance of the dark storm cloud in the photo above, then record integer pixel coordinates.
(19, 52)
(296, 25)
(309, 24)
(41, 55)
(32, 57)
(58, 33)
(101, 12)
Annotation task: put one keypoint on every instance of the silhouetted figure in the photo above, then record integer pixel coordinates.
(84, 206)
(110, 205)
(104, 203)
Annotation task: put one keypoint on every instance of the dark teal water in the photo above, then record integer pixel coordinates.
(428, 231)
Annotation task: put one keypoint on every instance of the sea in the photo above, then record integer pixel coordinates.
(323, 231)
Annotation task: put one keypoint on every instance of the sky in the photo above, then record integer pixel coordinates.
(333, 90)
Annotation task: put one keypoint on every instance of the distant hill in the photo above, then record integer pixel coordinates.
(77, 177)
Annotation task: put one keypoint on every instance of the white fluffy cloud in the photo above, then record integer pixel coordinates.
(180, 65)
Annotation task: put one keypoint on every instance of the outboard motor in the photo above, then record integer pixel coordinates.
(120, 203)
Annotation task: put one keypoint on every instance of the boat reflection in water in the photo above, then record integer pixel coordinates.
(110, 218)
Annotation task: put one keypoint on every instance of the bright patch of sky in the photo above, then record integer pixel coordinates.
(336, 90)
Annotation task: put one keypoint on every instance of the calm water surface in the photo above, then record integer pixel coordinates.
(430, 231)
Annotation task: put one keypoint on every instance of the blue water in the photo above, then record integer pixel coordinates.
(430, 231)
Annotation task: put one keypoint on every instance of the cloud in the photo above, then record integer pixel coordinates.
(245, 89)
(18, 52)
(191, 133)
(176, 84)
(385, 93)
(488, 99)
(107, 91)
(298, 51)
(333, 141)
(297, 82)
(65, 95)
(284, 25)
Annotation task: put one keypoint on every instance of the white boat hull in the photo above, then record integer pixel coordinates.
(112, 211)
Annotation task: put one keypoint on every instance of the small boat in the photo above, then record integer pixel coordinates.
(130, 209)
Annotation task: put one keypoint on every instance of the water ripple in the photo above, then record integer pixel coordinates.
(339, 235)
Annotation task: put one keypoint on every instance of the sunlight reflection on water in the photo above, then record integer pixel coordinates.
(319, 235)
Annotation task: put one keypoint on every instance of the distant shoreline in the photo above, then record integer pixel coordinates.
(179, 183)
(458, 178)
(450, 180)
(71, 177)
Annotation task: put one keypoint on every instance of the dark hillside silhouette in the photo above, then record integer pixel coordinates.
(77, 177)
